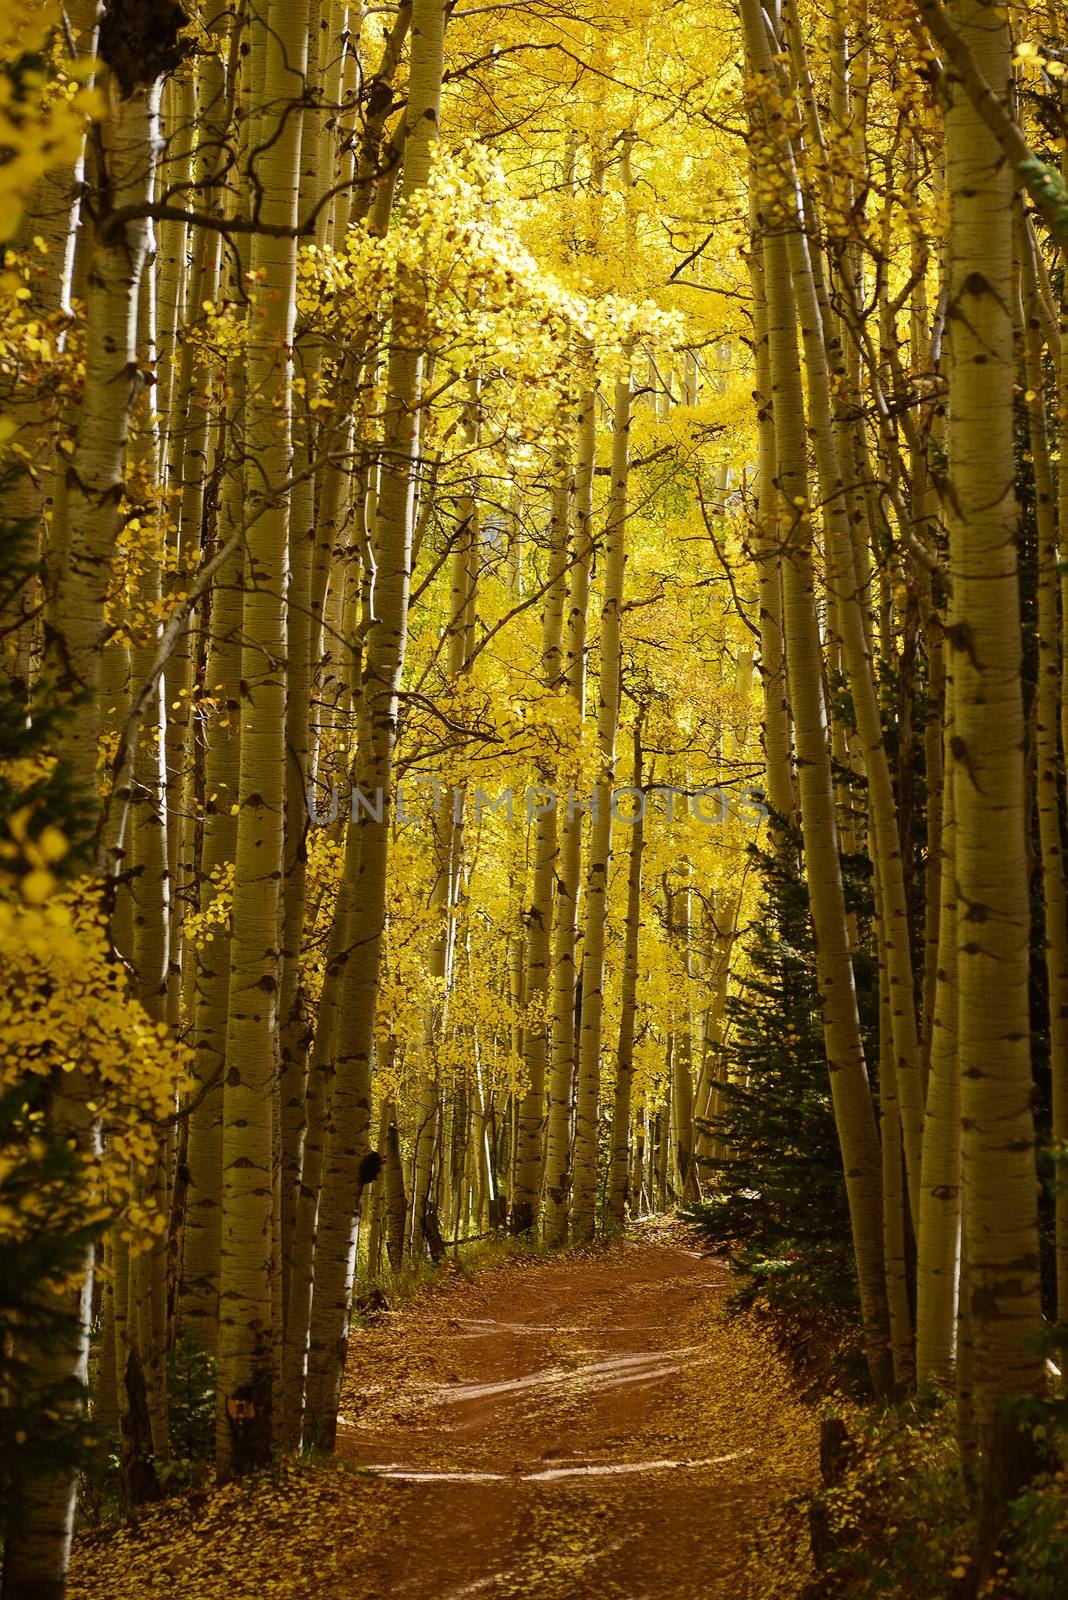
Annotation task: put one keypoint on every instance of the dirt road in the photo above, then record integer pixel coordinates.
(577, 1428)
(554, 1429)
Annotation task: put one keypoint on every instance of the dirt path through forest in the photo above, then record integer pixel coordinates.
(552, 1429)
(583, 1427)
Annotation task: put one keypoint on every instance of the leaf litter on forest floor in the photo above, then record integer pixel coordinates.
(610, 1434)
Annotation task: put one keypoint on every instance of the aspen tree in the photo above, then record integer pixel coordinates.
(676, 927)
(987, 767)
(1047, 788)
(427, 1137)
(939, 1235)
(78, 577)
(247, 1335)
(584, 1195)
(723, 933)
(294, 1023)
(207, 963)
(768, 556)
(448, 831)
(37, 1549)
(565, 922)
(114, 714)
(395, 1199)
(894, 1199)
(149, 896)
(539, 917)
(193, 439)
(305, 1122)
(663, 1143)
(842, 584)
(346, 1136)
(372, 200)
(619, 1173)
(48, 230)
(851, 1092)
(124, 152)
(172, 274)
(321, 1068)
(198, 1283)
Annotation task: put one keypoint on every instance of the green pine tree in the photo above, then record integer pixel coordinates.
(778, 1202)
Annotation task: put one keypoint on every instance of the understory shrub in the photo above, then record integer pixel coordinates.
(894, 1517)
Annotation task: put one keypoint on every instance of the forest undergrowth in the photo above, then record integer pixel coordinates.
(896, 1512)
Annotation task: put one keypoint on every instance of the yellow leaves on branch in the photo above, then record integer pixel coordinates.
(40, 356)
(1028, 56)
(213, 914)
(33, 856)
(44, 103)
(66, 1013)
(454, 262)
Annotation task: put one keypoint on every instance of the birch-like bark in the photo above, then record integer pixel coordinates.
(247, 1353)
(587, 1099)
(396, 1199)
(677, 926)
(197, 1311)
(843, 583)
(619, 1192)
(987, 772)
(1047, 754)
(894, 1199)
(125, 145)
(565, 924)
(78, 576)
(850, 1088)
(526, 1196)
(448, 838)
(766, 551)
(321, 1069)
(295, 1025)
(347, 1130)
(939, 1237)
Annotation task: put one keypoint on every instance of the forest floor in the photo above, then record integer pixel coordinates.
(587, 1424)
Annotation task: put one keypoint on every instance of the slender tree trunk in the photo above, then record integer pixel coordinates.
(565, 926)
(988, 777)
(198, 1286)
(247, 1335)
(851, 1092)
(618, 1196)
(842, 584)
(1047, 756)
(36, 1554)
(79, 573)
(768, 555)
(894, 1199)
(682, 1097)
(584, 1197)
(938, 1242)
(37, 1546)
(346, 1141)
(539, 920)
